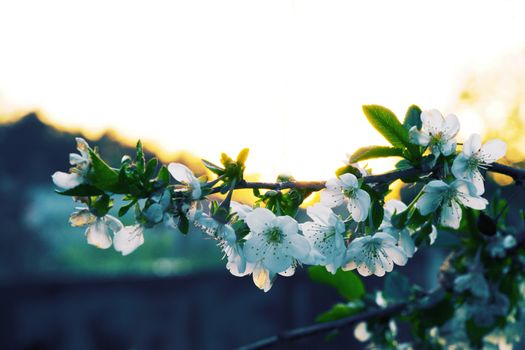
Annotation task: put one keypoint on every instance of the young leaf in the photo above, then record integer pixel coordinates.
(340, 310)
(82, 190)
(213, 168)
(371, 152)
(140, 160)
(385, 121)
(243, 155)
(413, 117)
(150, 168)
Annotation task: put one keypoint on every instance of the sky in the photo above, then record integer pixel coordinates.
(285, 78)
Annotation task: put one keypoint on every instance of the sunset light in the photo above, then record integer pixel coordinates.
(284, 78)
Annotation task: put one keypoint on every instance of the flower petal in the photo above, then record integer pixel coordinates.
(297, 246)
(321, 214)
(67, 181)
(472, 145)
(450, 127)
(492, 150)
(259, 219)
(451, 214)
(432, 121)
(275, 261)
(255, 248)
(428, 203)
(449, 147)
(460, 167)
(181, 173)
(81, 218)
(287, 224)
(128, 239)
(334, 185)
(349, 181)
(97, 234)
(332, 199)
(418, 137)
(359, 205)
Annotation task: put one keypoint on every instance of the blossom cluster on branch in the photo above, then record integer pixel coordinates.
(352, 227)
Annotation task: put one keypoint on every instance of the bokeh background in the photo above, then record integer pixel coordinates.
(191, 79)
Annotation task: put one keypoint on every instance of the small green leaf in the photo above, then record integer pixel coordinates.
(101, 206)
(347, 283)
(140, 161)
(150, 168)
(101, 174)
(243, 155)
(213, 168)
(164, 176)
(413, 118)
(82, 190)
(385, 121)
(225, 159)
(377, 213)
(183, 224)
(371, 152)
(340, 310)
(125, 208)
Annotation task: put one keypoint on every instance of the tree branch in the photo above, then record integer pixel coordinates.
(325, 327)
(516, 173)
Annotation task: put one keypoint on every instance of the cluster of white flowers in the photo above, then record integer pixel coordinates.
(439, 134)
(98, 233)
(276, 245)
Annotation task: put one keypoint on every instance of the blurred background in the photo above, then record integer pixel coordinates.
(191, 79)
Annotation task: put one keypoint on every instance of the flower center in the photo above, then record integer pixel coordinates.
(274, 235)
(349, 192)
(472, 163)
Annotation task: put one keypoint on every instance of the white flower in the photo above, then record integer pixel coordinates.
(213, 228)
(437, 132)
(402, 236)
(242, 210)
(474, 156)
(374, 255)
(98, 231)
(437, 193)
(274, 241)
(325, 235)
(81, 163)
(129, 238)
(184, 175)
(346, 188)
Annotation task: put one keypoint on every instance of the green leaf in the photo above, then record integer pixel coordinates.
(101, 206)
(213, 168)
(340, 310)
(164, 176)
(101, 174)
(183, 224)
(371, 152)
(347, 283)
(82, 190)
(413, 118)
(348, 169)
(377, 214)
(385, 121)
(140, 161)
(243, 155)
(150, 168)
(125, 208)
(225, 159)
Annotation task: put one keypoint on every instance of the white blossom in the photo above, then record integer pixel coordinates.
(185, 176)
(437, 132)
(325, 234)
(128, 239)
(374, 255)
(99, 228)
(274, 241)
(449, 197)
(81, 164)
(475, 156)
(347, 188)
(402, 236)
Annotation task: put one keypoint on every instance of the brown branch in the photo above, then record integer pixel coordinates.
(307, 331)
(516, 173)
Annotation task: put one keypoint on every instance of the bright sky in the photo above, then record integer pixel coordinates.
(285, 78)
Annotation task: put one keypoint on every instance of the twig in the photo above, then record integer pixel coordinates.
(516, 173)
